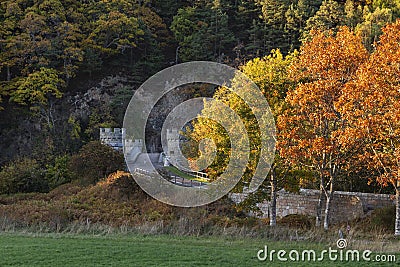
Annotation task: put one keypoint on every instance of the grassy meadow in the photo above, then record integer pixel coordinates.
(24, 249)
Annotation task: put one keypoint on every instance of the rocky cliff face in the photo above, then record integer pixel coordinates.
(76, 118)
(26, 133)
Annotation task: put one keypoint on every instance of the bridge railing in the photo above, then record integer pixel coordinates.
(185, 182)
(173, 179)
(143, 171)
(196, 174)
(180, 166)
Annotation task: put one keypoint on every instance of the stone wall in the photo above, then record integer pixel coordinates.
(133, 148)
(346, 206)
(115, 137)
(112, 137)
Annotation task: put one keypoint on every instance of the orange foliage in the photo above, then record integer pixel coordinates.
(311, 130)
(372, 104)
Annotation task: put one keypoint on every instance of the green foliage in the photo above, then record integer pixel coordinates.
(75, 127)
(202, 33)
(100, 117)
(94, 162)
(270, 74)
(393, 5)
(114, 32)
(37, 87)
(92, 62)
(329, 16)
(76, 36)
(371, 27)
(22, 176)
(58, 173)
(256, 44)
(119, 103)
(273, 12)
(353, 14)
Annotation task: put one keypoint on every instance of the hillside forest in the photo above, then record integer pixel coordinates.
(330, 71)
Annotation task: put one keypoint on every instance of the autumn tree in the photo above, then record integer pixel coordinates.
(270, 75)
(113, 27)
(311, 128)
(371, 105)
(38, 90)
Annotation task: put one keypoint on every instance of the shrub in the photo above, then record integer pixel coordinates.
(384, 218)
(121, 186)
(58, 173)
(22, 176)
(297, 221)
(94, 162)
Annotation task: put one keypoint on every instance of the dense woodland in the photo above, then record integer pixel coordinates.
(70, 67)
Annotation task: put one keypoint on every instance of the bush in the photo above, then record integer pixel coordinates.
(384, 218)
(58, 173)
(22, 176)
(94, 162)
(297, 221)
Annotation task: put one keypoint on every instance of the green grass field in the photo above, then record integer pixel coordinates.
(134, 250)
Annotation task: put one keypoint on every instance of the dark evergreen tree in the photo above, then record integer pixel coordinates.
(274, 17)
(371, 27)
(353, 14)
(202, 33)
(329, 16)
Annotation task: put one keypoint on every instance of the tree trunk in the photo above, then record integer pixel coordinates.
(318, 218)
(329, 197)
(272, 219)
(177, 55)
(8, 73)
(397, 223)
(328, 210)
(319, 209)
